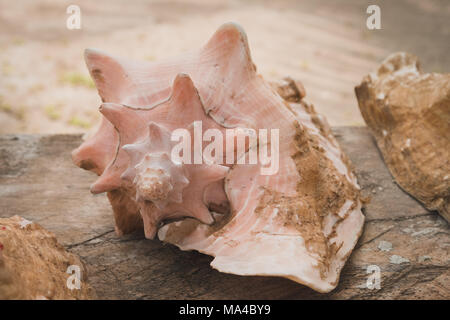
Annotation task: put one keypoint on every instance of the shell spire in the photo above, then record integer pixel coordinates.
(131, 122)
(151, 171)
(165, 189)
(142, 162)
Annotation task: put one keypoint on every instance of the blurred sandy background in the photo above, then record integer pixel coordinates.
(45, 87)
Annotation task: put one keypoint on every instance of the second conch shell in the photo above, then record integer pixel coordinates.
(408, 112)
(300, 221)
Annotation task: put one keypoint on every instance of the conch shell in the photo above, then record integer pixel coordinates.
(408, 112)
(300, 221)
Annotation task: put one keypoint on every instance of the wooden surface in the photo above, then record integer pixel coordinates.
(39, 182)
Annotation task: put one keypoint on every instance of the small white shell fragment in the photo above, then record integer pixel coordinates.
(24, 223)
(385, 246)
(424, 258)
(396, 259)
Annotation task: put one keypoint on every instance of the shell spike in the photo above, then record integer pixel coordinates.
(232, 41)
(183, 91)
(108, 73)
(150, 220)
(97, 151)
(159, 137)
(204, 215)
(106, 182)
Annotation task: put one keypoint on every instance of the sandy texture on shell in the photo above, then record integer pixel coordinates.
(33, 264)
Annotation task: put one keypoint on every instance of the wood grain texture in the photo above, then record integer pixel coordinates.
(39, 182)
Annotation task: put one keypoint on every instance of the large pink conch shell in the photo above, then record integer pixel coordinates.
(300, 222)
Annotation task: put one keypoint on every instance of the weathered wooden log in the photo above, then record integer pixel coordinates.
(406, 243)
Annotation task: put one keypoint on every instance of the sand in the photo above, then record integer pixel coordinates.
(45, 86)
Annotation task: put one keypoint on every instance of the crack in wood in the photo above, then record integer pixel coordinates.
(70, 246)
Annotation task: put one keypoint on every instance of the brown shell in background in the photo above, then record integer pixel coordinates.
(33, 265)
(408, 112)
